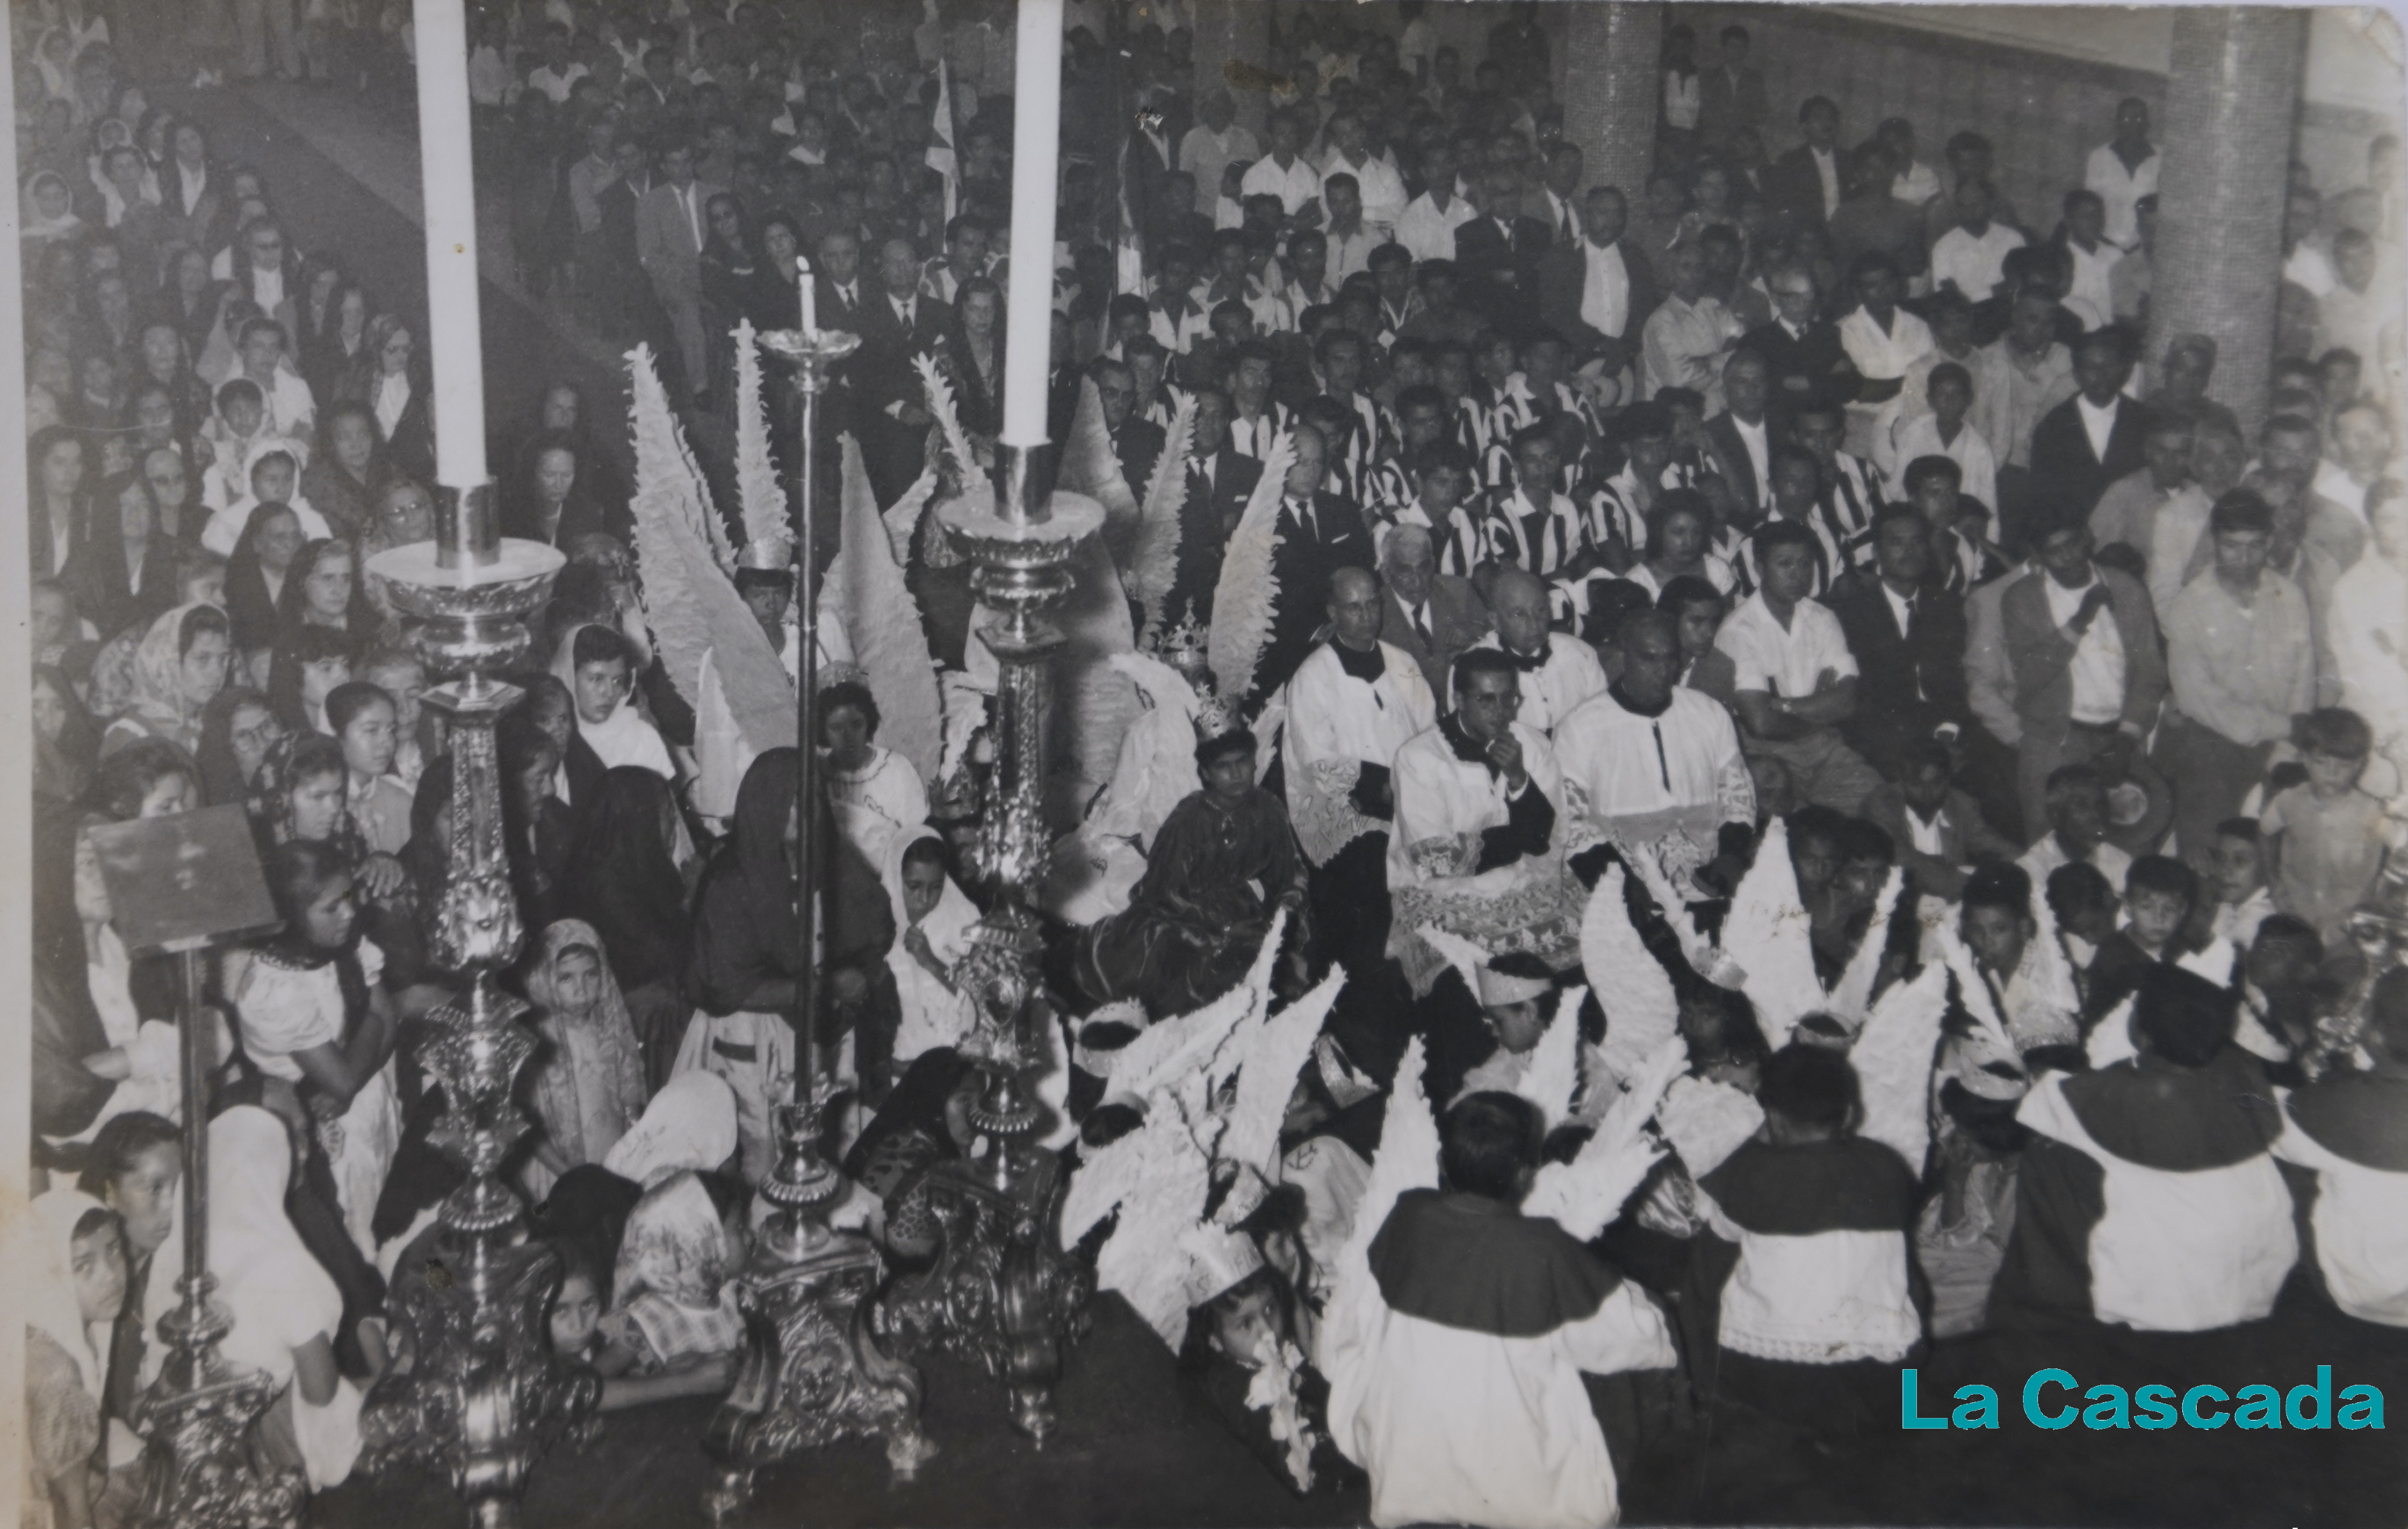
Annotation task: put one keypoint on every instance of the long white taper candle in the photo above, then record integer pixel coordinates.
(454, 331)
(1036, 139)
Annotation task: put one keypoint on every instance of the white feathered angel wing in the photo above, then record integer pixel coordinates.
(1767, 932)
(1247, 598)
(1154, 563)
(1583, 1195)
(1274, 1055)
(1894, 1055)
(761, 496)
(1170, 1177)
(883, 622)
(1852, 1000)
(1632, 987)
(1553, 1073)
(1165, 1054)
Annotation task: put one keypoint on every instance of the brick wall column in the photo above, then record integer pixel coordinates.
(2231, 101)
(1611, 51)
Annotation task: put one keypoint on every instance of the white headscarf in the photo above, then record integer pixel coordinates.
(690, 1124)
(278, 1295)
(47, 1298)
(949, 923)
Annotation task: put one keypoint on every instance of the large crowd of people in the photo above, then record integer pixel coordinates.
(2042, 726)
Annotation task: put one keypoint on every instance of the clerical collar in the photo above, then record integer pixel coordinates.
(1527, 663)
(1366, 667)
(1468, 749)
(1622, 699)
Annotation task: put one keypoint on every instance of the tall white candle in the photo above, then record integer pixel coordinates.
(1035, 136)
(454, 332)
(810, 296)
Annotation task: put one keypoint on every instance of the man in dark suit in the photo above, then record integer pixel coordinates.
(1497, 254)
(1320, 533)
(1220, 480)
(1802, 352)
(1803, 186)
(891, 413)
(1908, 635)
(1730, 97)
(1137, 442)
(1743, 438)
(2070, 469)
(1579, 288)
(1430, 616)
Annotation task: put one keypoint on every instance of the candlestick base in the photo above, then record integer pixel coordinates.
(814, 1372)
(199, 1414)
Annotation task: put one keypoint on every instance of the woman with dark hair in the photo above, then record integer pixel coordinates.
(133, 1166)
(735, 283)
(551, 504)
(126, 570)
(179, 669)
(309, 662)
(875, 792)
(191, 299)
(322, 590)
(562, 410)
(164, 357)
(347, 472)
(313, 307)
(255, 577)
(974, 357)
(237, 729)
(389, 375)
(341, 340)
(58, 497)
(744, 968)
(624, 878)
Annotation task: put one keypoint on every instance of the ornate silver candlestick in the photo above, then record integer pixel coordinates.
(484, 1394)
(814, 1372)
(1000, 1291)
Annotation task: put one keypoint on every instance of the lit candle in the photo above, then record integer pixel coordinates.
(1035, 110)
(454, 329)
(810, 299)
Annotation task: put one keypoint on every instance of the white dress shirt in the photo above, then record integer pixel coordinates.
(1605, 290)
(2098, 666)
(2121, 190)
(2096, 423)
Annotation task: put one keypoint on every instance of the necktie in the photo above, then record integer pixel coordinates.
(1566, 227)
(1302, 511)
(1421, 629)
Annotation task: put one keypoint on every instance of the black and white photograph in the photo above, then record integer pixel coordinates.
(1204, 764)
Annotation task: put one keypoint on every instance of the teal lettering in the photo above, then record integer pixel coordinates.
(2320, 1394)
(2108, 1408)
(2261, 1408)
(2362, 1407)
(2157, 1406)
(1977, 1406)
(2060, 1418)
(2191, 1413)
(1906, 1409)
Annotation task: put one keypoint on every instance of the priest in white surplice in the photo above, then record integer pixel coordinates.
(1353, 703)
(1555, 672)
(1473, 849)
(1649, 764)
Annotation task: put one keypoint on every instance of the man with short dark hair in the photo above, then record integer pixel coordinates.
(2241, 655)
(2087, 689)
(672, 227)
(1803, 186)
(1909, 641)
(1795, 680)
(2092, 438)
